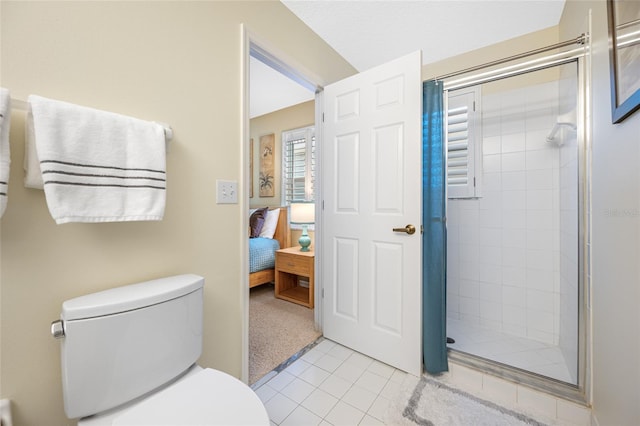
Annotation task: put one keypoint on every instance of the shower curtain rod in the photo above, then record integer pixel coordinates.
(578, 40)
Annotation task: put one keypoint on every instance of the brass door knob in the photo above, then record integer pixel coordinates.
(409, 229)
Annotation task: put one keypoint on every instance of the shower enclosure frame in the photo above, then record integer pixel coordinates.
(581, 57)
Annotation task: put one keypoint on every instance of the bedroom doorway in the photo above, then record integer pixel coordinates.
(274, 330)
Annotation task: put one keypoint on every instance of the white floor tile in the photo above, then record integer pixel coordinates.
(371, 382)
(367, 420)
(313, 355)
(328, 363)
(381, 369)
(298, 367)
(346, 388)
(344, 414)
(281, 380)
(265, 393)
(314, 375)
(341, 352)
(379, 408)
(359, 398)
(301, 417)
(359, 361)
(319, 402)
(349, 372)
(298, 390)
(390, 389)
(336, 386)
(325, 346)
(279, 407)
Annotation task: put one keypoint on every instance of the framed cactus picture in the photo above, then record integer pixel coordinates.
(267, 169)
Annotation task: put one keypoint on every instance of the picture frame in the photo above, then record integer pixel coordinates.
(624, 58)
(267, 166)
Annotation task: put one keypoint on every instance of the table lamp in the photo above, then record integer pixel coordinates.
(303, 213)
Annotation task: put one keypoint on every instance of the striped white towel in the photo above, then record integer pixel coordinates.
(97, 166)
(5, 158)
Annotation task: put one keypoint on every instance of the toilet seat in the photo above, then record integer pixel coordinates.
(205, 397)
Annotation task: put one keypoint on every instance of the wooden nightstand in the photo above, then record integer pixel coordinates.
(291, 264)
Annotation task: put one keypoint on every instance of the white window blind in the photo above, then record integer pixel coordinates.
(298, 165)
(463, 150)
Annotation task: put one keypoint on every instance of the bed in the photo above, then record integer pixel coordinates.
(262, 250)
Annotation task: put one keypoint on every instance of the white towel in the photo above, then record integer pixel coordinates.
(5, 157)
(96, 166)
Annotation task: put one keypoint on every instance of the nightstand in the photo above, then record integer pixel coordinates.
(291, 264)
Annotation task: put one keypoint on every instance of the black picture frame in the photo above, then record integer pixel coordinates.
(624, 58)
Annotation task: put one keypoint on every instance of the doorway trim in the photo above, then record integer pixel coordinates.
(253, 44)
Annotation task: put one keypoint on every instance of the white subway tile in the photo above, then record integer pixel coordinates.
(514, 296)
(514, 238)
(492, 145)
(514, 142)
(514, 316)
(537, 402)
(514, 219)
(539, 179)
(514, 276)
(540, 199)
(513, 161)
(492, 163)
(514, 181)
(573, 413)
(514, 200)
(498, 390)
(514, 257)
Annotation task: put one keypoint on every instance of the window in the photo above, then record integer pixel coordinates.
(464, 152)
(298, 165)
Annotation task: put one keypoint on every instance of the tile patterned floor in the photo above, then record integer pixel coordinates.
(330, 385)
(518, 352)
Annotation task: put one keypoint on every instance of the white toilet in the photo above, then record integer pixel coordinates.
(128, 358)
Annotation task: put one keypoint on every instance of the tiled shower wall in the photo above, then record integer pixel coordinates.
(504, 247)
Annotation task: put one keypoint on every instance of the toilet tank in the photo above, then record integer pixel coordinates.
(121, 343)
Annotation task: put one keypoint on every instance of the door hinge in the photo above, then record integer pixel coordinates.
(323, 117)
(322, 204)
(474, 182)
(322, 293)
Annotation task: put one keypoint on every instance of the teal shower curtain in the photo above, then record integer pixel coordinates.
(434, 241)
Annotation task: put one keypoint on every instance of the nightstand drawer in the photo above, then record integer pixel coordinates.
(293, 264)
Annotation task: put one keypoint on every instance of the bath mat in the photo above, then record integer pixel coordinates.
(433, 403)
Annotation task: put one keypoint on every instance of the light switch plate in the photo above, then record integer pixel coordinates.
(226, 192)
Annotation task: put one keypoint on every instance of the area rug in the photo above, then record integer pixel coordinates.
(277, 330)
(434, 403)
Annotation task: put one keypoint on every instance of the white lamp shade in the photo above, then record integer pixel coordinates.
(303, 213)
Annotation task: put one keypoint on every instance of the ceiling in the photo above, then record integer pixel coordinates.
(370, 32)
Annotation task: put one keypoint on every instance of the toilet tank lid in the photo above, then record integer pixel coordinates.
(129, 297)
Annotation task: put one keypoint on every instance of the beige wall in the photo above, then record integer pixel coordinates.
(294, 117)
(616, 236)
(175, 62)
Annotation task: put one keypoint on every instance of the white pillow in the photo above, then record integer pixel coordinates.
(270, 223)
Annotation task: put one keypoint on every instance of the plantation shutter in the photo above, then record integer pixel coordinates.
(462, 136)
(298, 165)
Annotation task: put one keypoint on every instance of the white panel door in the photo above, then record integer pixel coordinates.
(371, 180)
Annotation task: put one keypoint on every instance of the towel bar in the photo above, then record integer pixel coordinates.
(21, 105)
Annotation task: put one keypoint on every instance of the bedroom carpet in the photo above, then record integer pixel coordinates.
(277, 330)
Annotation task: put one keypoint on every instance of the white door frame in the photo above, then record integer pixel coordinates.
(286, 65)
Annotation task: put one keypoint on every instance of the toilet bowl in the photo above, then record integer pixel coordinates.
(129, 358)
(201, 397)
